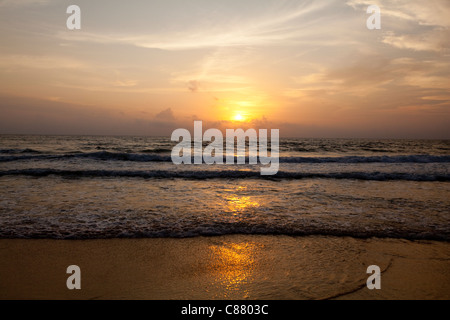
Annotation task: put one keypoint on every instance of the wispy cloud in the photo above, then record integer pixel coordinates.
(434, 40)
(303, 62)
(428, 23)
(14, 61)
(282, 26)
(396, 77)
(22, 3)
(429, 13)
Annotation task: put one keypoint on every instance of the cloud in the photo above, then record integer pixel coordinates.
(166, 115)
(434, 40)
(193, 86)
(40, 62)
(22, 3)
(428, 23)
(273, 24)
(39, 116)
(427, 13)
(372, 74)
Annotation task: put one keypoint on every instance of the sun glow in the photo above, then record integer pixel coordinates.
(239, 117)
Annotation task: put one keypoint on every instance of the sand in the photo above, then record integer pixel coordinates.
(226, 267)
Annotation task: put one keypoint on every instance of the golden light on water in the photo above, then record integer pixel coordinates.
(234, 261)
(237, 204)
(235, 264)
(238, 201)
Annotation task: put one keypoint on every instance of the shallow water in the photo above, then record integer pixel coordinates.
(108, 187)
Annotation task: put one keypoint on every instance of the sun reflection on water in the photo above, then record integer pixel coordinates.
(234, 264)
(237, 204)
(238, 201)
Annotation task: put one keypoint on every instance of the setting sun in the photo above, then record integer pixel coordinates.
(239, 117)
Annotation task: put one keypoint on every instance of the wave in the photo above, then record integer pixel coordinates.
(152, 156)
(369, 159)
(19, 151)
(226, 174)
(152, 229)
(101, 155)
(157, 150)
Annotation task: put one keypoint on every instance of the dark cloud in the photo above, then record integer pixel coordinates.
(193, 86)
(37, 116)
(166, 115)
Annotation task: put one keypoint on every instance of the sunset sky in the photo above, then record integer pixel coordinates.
(308, 68)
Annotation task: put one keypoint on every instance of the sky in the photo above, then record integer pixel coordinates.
(308, 68)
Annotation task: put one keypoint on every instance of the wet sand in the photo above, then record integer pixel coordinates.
(226, 267)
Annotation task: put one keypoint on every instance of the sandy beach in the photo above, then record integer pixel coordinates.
(224, 151)
(227, 267)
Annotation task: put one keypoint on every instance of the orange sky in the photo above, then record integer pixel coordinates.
(308, 68)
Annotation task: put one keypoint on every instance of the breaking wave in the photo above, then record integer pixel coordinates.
(226, 174)
(150, 156)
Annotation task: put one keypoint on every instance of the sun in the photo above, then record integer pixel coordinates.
(239, 117)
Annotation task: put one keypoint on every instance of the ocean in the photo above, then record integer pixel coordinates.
(93, 187)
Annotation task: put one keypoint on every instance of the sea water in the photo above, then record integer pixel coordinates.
(85, 187)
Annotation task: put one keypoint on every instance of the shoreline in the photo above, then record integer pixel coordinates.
(234, 267)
